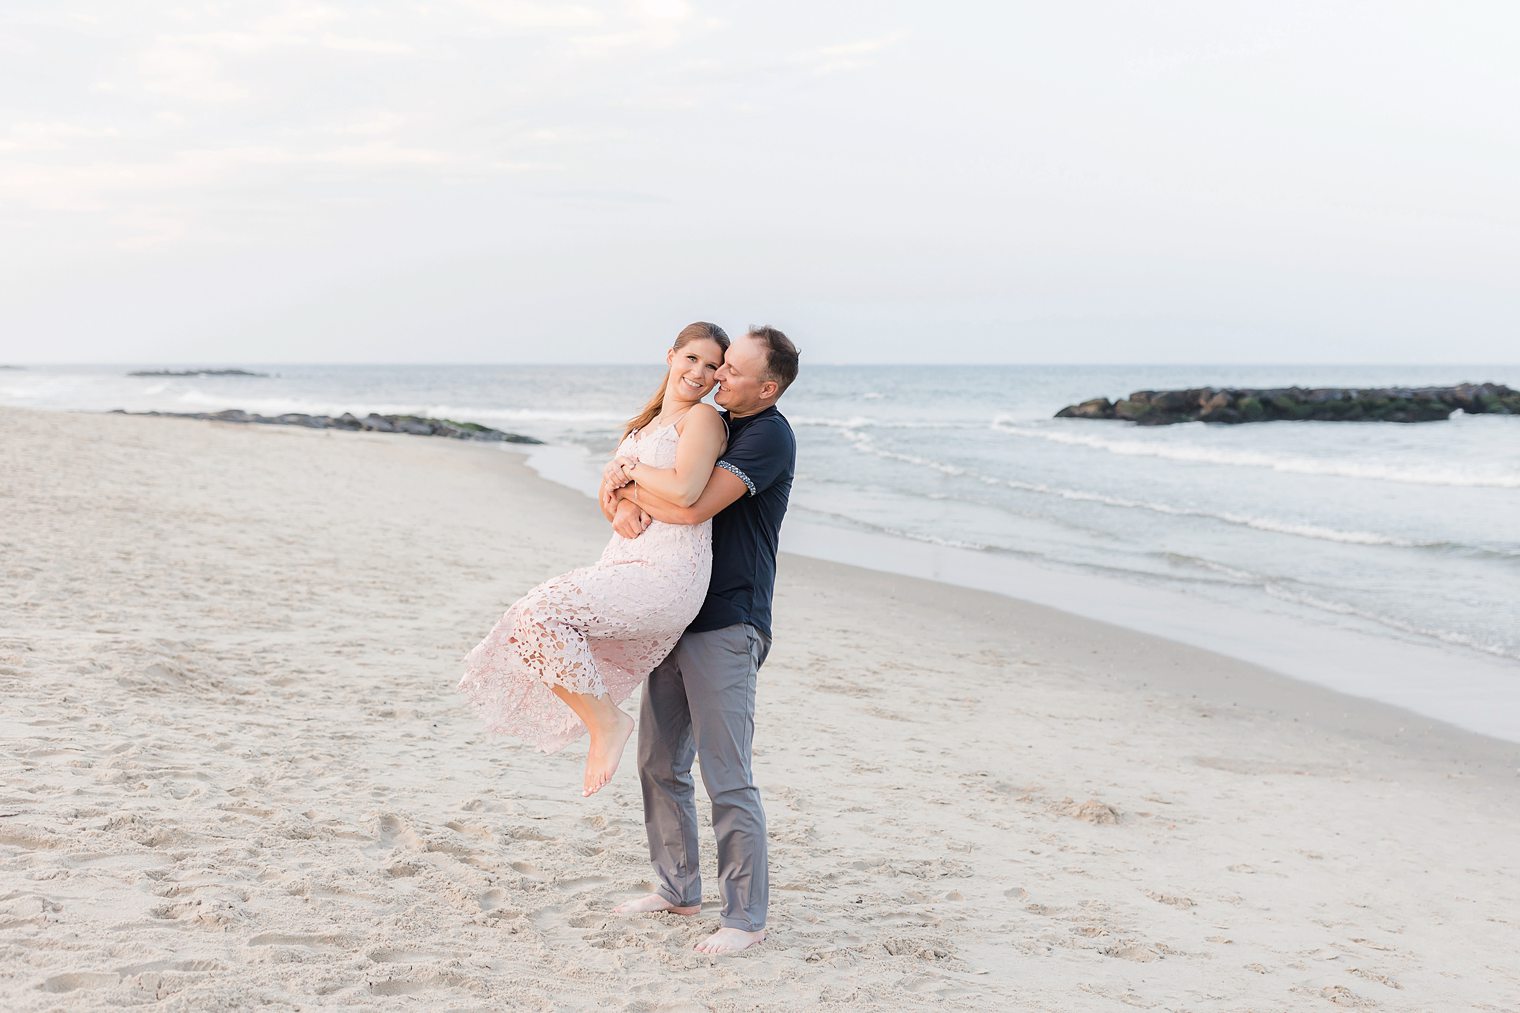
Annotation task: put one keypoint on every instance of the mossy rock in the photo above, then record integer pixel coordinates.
(1250, 409)
(1288, 408)
(1339, 409)
(1499, 404)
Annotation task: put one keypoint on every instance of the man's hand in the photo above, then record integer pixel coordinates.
(628, 520)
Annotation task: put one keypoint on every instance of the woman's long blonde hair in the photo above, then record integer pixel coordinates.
(691, 332)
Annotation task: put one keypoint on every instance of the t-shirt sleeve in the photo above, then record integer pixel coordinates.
(759, 455)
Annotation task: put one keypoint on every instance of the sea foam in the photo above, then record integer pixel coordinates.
(1276, 462)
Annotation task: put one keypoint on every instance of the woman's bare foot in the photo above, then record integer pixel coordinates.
(727, 940)
(651, 903)
(609, 728)
(609, 734)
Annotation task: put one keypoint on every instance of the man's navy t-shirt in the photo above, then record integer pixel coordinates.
(763, 453)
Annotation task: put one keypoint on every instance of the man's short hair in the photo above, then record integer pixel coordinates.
(780, 356)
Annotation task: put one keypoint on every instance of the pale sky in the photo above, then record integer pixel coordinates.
(470, 181)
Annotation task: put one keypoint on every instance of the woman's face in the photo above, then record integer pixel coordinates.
(693, 369)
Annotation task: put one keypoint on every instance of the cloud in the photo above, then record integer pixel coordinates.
(145, 228)
(847, 56)
(253, 42)
(53, 136)
(660, 10)
(647, 24)
(350, 44)
(93, 185)
(186, 74)
(373, 124)
(503, 165)
(608, 197)
(526, 16)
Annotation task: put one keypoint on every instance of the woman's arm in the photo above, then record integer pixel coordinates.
(701, 441)
(722, 489)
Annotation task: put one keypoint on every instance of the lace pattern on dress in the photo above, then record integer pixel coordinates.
(599, 629)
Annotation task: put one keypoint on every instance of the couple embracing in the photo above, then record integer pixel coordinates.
(681, 596)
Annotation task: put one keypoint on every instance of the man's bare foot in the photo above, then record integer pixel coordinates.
(608, 737)
(727, 940)
(651, 903)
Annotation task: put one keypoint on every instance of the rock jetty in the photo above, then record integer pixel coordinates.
(416, 425)
(195, 372)
(1322, 404)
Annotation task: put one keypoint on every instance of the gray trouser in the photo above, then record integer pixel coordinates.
(700, 703)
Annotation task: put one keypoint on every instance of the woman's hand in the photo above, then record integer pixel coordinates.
(613, 475)
(628, 464)
(702, 438)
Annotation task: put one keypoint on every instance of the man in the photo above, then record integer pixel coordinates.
(700, 702)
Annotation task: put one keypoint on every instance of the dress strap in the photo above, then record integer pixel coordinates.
(673, 422)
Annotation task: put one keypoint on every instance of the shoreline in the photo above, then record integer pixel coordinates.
(1488, 707)
(1479, 694)
(1400, 588)
(242, 777)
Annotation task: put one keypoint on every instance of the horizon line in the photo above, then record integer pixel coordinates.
(208, 364)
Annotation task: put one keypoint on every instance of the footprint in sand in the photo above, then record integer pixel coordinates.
(384, 956)
(79, 980)
(1132, 951)
(399, 986)
(395, 832)
(577, 883)
(1381, 979)
(927, 948)
(218, 909)
(449, 848)
(494, 908)
(469, 830)
(287, 939)
(29, 839)
(1340, 995)
(189, 966)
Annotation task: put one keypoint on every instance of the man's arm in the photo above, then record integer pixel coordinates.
(723, 488)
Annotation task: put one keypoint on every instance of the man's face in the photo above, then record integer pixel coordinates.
(742, 384)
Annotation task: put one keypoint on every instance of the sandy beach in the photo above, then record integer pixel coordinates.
(236, 773)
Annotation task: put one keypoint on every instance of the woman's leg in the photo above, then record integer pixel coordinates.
(610, 728)
(549, 634)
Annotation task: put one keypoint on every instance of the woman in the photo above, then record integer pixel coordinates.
(566, 653)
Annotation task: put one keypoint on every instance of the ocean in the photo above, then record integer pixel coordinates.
(1381, 559)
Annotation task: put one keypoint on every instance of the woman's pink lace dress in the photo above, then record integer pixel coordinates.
(600, 629)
